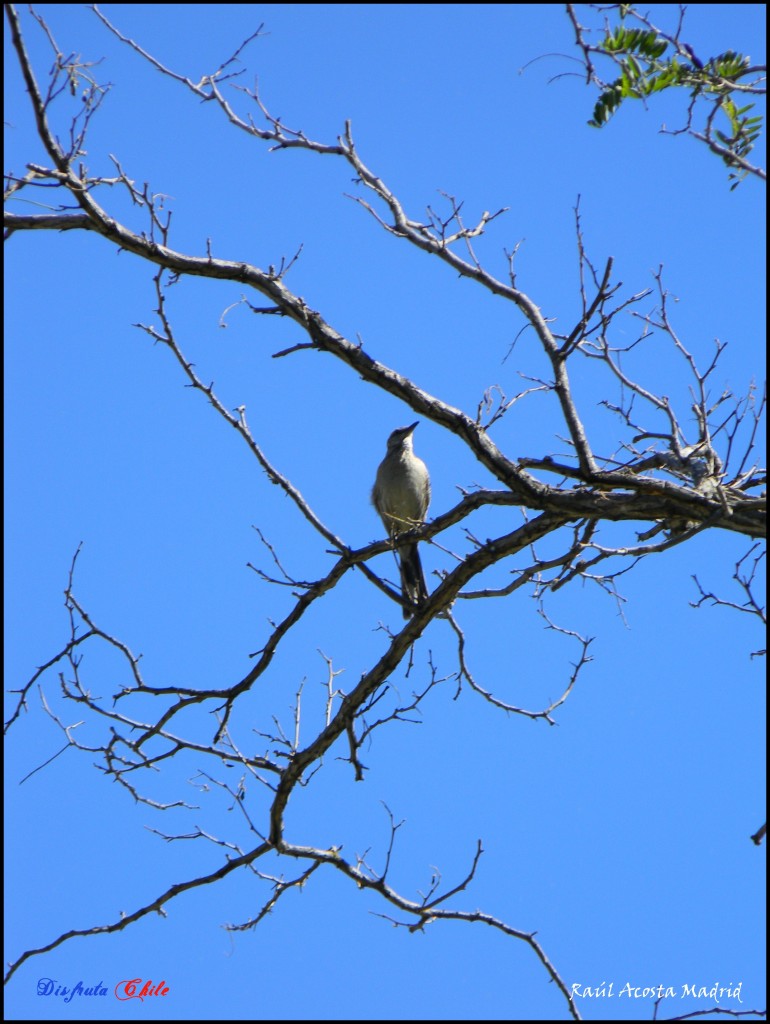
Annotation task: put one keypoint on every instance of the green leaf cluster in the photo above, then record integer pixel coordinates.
(644, 42)
(640, 54)
(744, 132)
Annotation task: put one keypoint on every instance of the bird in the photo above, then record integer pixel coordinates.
(401, 495)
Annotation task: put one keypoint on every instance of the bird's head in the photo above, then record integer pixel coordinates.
(401, 437)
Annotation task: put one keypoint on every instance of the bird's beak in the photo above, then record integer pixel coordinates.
(415, 424)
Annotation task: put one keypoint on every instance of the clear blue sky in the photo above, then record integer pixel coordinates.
(621, 835)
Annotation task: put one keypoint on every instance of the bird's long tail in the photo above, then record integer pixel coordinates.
(413, 587)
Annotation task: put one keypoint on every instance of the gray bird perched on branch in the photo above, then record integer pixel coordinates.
(401, 495)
